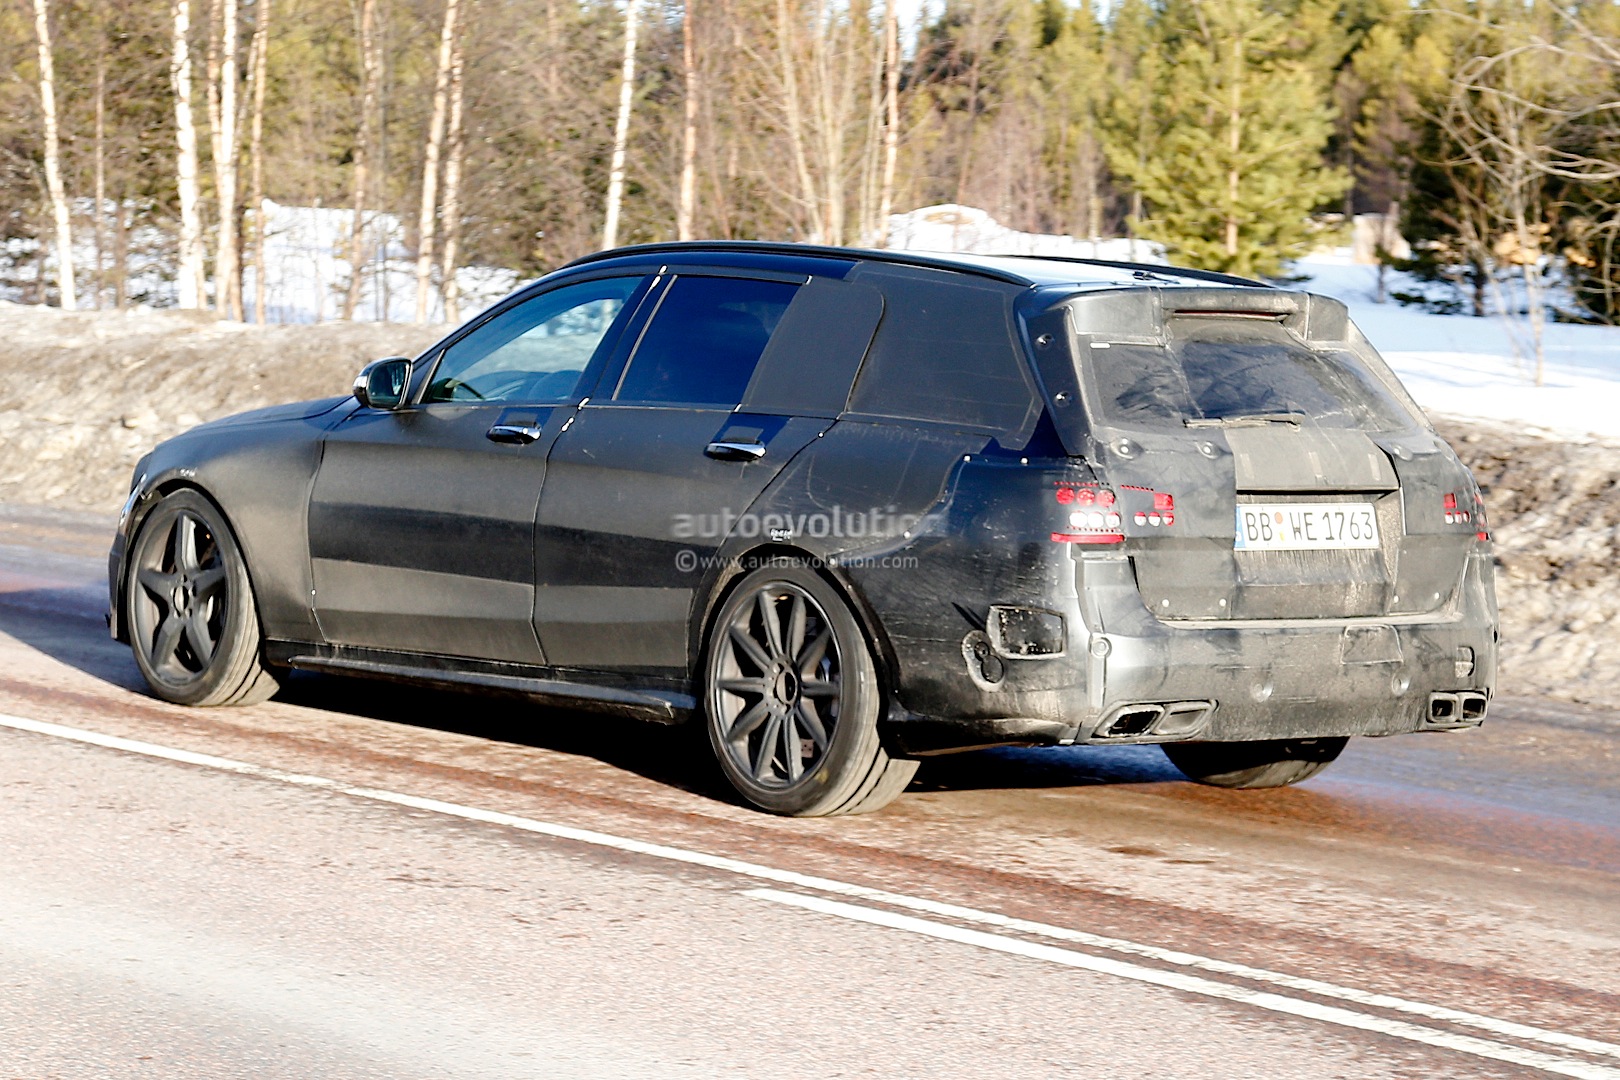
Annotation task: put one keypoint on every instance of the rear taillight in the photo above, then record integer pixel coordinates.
(1453, 514)
(1089, 516)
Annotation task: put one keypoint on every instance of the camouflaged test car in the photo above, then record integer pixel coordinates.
(846, 509)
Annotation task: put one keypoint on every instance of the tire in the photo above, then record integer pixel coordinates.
(792, 699)
(1268, 764)
(188, 603)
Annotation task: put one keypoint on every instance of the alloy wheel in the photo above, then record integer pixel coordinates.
(778, 685)
(182, 598)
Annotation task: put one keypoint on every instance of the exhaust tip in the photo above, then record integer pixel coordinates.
(1154, 721)
(1457, 708)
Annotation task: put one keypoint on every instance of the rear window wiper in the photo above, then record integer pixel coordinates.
(1246, 420)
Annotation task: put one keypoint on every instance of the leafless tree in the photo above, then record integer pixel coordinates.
(621, 129)
(53, 157)
(426, 219)
(192, 283)
(365, 140)
(452, 187)
(225, 143)
(259, 70)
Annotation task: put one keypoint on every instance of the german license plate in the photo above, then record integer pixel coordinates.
(1305, 526)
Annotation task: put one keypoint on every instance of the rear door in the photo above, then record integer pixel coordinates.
(1259, 473)
(422, 520)
(658, 468)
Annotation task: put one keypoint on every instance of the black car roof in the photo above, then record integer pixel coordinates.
(1014, 269)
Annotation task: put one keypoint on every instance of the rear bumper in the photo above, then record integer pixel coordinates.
(1126, 676)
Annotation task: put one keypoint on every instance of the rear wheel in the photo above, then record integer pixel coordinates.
(792, 699)
(1267, 764)
(189, 607)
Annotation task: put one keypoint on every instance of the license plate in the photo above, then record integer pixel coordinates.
(1305, 526)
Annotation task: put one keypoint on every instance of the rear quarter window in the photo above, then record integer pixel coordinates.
(945, 351)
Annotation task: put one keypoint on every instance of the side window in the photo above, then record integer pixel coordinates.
(944, 351)
(534, 352)
(704, 341)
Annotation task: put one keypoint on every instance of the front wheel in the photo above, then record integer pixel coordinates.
(189, 607)
(1265, 764)
(792, 699)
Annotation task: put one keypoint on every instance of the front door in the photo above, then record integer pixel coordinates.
(654, 472)
(421, 520)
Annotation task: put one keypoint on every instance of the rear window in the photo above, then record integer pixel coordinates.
(1216, 369)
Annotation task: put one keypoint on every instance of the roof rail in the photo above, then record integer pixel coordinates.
(963, 263)
(770, 247)
(1157, 269)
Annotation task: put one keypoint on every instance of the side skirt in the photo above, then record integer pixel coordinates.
(454, 673)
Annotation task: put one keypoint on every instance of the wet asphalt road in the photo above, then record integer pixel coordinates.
(1455, 899)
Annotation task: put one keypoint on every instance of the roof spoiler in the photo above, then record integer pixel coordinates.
(1140, 314)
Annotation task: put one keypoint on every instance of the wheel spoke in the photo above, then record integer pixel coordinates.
(810, 657)
(166, 644)
(200, 638)
(812, 724)
(743, 686)
(767, 747)
(817, 688)
(751, 649)
(185, 543)
(771, 621)
(796, 626)
(207, 582)
(792, 755)
(744, 725)
(157, 583)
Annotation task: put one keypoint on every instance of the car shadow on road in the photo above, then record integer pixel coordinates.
(67, 624)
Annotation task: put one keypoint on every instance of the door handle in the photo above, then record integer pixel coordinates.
(736, 451)
(513, 433)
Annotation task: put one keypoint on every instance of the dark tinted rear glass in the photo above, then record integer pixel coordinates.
(945, 350)
(1215, 369)
(704, 341)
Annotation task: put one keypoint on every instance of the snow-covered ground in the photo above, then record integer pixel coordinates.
(1455, 365)
(1459, 365)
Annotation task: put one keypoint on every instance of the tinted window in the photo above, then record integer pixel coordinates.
(944, 351)
(704, 341)
(1226, 368)
(533, 352)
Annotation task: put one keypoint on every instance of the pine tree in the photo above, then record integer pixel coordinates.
(1244, 118)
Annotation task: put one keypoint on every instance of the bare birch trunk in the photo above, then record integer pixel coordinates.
(684, 210)
(98, 280)
(192, 284)
(785, 39)
(621, 129)
(891, 117)
(53, 158)
(430, 164)
(260, 69)
(362, 154)
(452, 193)
(227, 153)
(1234, 140)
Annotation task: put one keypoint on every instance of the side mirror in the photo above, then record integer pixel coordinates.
(381, 384)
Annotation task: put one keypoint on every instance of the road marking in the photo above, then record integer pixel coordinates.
(941, 909)
(1194, 984)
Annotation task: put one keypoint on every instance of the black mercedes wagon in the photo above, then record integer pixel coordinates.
(848, 509)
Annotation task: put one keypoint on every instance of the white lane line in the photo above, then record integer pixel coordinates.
(1194, 984)
(1506, 1028)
